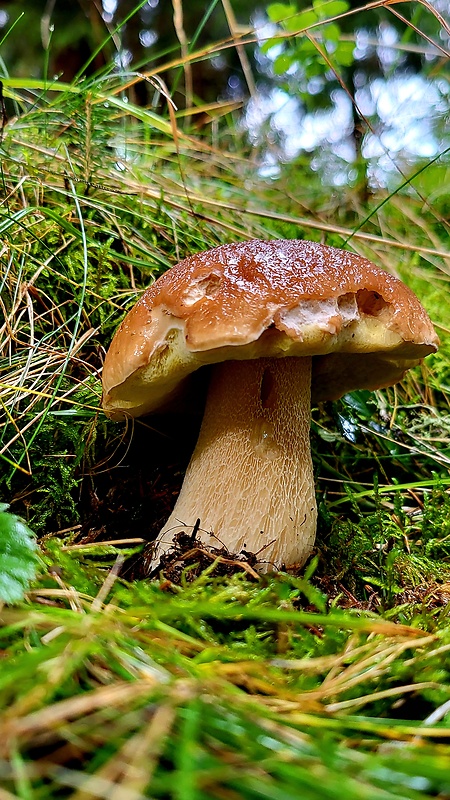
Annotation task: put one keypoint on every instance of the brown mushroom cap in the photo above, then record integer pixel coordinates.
(258, 299)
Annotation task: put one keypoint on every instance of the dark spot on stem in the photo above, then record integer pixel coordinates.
(267, 391)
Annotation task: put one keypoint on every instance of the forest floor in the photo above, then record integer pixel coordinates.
(207, 679)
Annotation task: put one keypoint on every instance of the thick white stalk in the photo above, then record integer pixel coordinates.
(250, 478)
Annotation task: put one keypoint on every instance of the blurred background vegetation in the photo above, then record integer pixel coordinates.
(362, 97)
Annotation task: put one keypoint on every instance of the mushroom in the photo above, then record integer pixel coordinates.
(278, 320)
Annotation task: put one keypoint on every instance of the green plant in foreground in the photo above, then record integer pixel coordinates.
(219, 687)
(19, 556)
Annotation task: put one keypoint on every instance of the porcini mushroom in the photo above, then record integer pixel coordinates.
(279, 320)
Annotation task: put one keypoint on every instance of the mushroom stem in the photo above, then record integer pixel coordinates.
(250, 478)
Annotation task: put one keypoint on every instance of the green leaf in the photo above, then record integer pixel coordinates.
(269, 43)
(343, 54)
(332, 32)
(300, 22)
(331, 8)
(18, 556)
(282, 63)
(335, 7)
(279, 11)
(306, 46)
(360, 401)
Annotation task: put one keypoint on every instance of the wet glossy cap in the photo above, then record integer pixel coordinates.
(256, 299)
